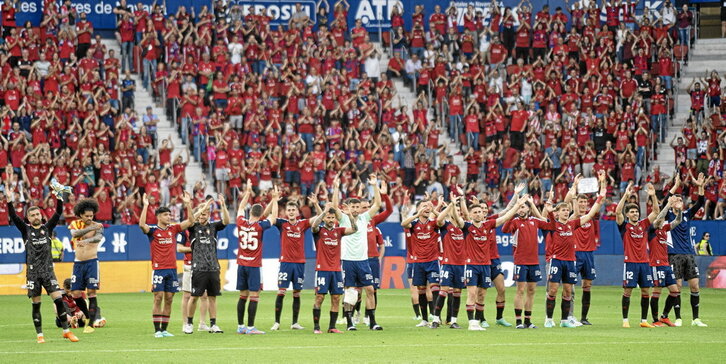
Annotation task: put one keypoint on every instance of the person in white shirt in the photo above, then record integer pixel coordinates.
(235, 49)
(668, 15)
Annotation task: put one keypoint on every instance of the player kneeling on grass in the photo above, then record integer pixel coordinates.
(636, 270)
(663, 275)
(205, 266)
(162, 238)
(85, 236)
(328, 277)
(562, 265)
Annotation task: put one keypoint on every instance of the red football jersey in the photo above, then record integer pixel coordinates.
(477, 240)
(563, 239)
(585, 236)
(249, 251)
(163, 246)
(292, 240)
(526, 251)
(452, 239)
(375, 240)
(635, 241)
(327, 243)
(658, 247)
(493, 247)
(424, 241)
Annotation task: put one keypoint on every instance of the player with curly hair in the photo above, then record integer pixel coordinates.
(85, 236)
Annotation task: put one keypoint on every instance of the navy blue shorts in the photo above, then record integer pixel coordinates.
(527, 273)
(585, 265)
(562, 271)
(328, 282)
(291, 273)
(164, 280)
(248, 278)
(496, 268)
(357, 273)
(85, 275)
(375, 264)
(478, 275)
(637, 274)
(425, 272)
(452, 276)
(409, 270)
(663, 276)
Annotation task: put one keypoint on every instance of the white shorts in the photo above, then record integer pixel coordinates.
(187, 278)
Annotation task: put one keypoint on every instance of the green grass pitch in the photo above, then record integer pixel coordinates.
(128, 337)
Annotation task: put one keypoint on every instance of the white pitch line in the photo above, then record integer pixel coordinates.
(317, 347)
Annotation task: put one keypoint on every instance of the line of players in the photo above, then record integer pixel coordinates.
(348, 256)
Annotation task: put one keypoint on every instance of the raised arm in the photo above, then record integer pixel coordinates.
(187, 200)
(510, 214)
(595, 207)
(223, 206)
(274, 202)
(441, 219)
(376, 205)
(53, 221)
(654, 202)
(245, 198)
(142, 219)
(318, 219)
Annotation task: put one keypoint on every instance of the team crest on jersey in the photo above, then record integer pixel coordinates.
(531, 223)
(42, 232)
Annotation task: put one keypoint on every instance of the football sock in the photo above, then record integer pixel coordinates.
(157, 323)
(435, 289)
(316, 318)
(241, 310)
(565, 307)
(572, 303)
(375, 297)
(295, 307)
(479, 313)
(527, 318)
(278, 305)
(695, 300)
(348, 317)
(585, 303)
(37, 318)
(212, 321)
(470, 312)
(626, 306)
(441, 299)
(500, 310)
(371, 317)
(449, 305)
(677, 306)
(518, 315)
(61, 309)
(654, 305)
(164, 322)
(416, 309)
(356, 308)
(190, 320)
(81, 303)
(550, 306)
(252, 311)
(456, 305)
(92, 308)
(670, 301)
(644, 300)
(333, 318)
(423, 305)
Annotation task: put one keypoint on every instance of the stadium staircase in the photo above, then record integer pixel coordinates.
(165, 128)
(408, 97)
(707, 55)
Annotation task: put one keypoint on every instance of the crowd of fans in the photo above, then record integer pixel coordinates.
(534, 96)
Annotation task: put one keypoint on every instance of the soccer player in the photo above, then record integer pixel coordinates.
(636, 270)
(328, 276)
(162, 238)
(376, 246)
(292, 262)
(663, 275)
(85, 236)
(205, 265)
(527, 271)
(354, 255)
(425, 255)
(39, 261)
(186, 288)
(477, 237)
(562, 261)
(587, 240)
(454, 261)
(249, 257)
(681, 254)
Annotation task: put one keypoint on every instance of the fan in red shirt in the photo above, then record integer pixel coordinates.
(562, 263)
(637, 271)
(662, 271)
(249, 256)
(292, 261)
(479, 234)
(328, 275)
(163, 238)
